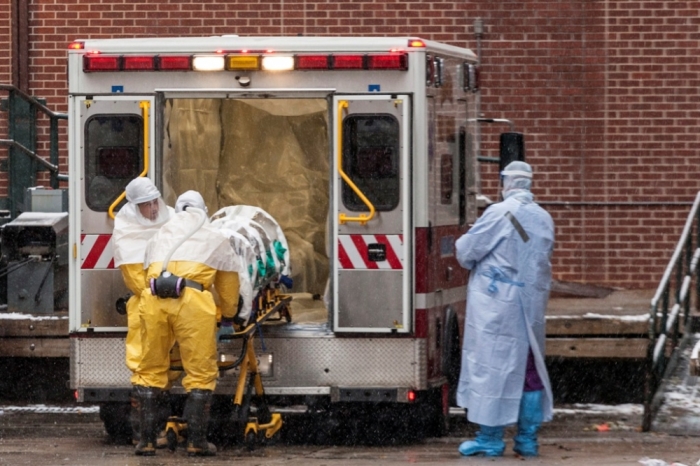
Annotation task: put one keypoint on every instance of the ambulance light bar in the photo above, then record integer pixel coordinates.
(96, 62)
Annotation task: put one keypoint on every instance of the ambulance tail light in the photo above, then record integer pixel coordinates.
(348, 62)
(411, 396)
(137, 63)
(174, 62)
(96, 63)
(397, 61)
(312, 62)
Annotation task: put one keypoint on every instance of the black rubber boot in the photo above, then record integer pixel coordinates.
(148, 418)
(196, 414)
(135, 416)
(163, 415)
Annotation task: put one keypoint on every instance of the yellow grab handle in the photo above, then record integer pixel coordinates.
(145, 105)
(342, 218)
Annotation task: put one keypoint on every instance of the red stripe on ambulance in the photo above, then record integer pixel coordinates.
(96, 252)
(352, 252)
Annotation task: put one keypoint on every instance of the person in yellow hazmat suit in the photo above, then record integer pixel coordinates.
(184, 260)
(135, 223)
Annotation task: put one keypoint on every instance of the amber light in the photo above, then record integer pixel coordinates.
(416, 43)
(242, 62)
(77, 45)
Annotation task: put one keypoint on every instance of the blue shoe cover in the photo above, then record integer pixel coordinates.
(529, 420)
(488, 442)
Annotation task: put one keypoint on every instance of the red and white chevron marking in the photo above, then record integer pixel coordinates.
(96, 252)
(352, 251)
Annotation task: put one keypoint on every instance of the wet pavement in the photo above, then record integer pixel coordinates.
(579, 435)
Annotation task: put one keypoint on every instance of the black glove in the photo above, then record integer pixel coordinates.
(121, 304)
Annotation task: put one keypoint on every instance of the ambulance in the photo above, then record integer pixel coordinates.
(363, 149)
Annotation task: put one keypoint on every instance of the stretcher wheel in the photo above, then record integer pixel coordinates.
(171, 437)
(250, 440)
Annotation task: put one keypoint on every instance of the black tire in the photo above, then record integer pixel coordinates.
(115, 417)
(171, 436)
(250, 439)
(452, 355)
(222, 428)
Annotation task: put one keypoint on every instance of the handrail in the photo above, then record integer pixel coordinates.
(45, 163)
(52, 165)
(33, 101)
(342, 218)
(144, 105)
(666, 335)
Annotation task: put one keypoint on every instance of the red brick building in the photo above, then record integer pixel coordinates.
(606, 93)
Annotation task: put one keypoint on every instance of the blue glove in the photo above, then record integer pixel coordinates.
(226, 328)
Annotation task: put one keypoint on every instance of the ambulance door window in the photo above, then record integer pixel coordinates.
(371, 154)
(112, 157)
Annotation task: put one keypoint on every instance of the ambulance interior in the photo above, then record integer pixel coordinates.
(268, 153)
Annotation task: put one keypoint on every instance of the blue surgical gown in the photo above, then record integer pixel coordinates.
(508, 252)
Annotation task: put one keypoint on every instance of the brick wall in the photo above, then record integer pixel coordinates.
(606, 93)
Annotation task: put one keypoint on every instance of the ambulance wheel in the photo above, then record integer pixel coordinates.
(115, 417)
(250, 439)
(451, 354)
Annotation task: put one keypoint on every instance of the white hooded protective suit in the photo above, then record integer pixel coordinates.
(132, 231)
(508, 253)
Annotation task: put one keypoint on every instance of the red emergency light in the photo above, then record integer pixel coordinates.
(138, 63)
(397, 61)
(174, 63)
(312, 62)
(94, 63)
(348, 62)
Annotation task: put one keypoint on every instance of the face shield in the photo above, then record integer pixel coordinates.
(150, 213)
(145, 205)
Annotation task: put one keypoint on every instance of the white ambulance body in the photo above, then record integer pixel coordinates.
(362, 149)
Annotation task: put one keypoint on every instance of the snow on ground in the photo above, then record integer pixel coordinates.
(41, 408)
(20, 316)
(591, 408)
(593, 315)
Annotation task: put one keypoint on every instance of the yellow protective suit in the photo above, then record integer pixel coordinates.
(207, 258)
(190, 320)
(135, 279)
(130, 237)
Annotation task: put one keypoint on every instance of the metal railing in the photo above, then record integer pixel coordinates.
(52, 164)
(669, 313)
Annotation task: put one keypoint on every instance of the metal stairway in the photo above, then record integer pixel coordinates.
(670, 322)
(23, 161)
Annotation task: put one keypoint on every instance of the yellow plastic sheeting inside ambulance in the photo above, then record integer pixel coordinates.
(270, 153)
